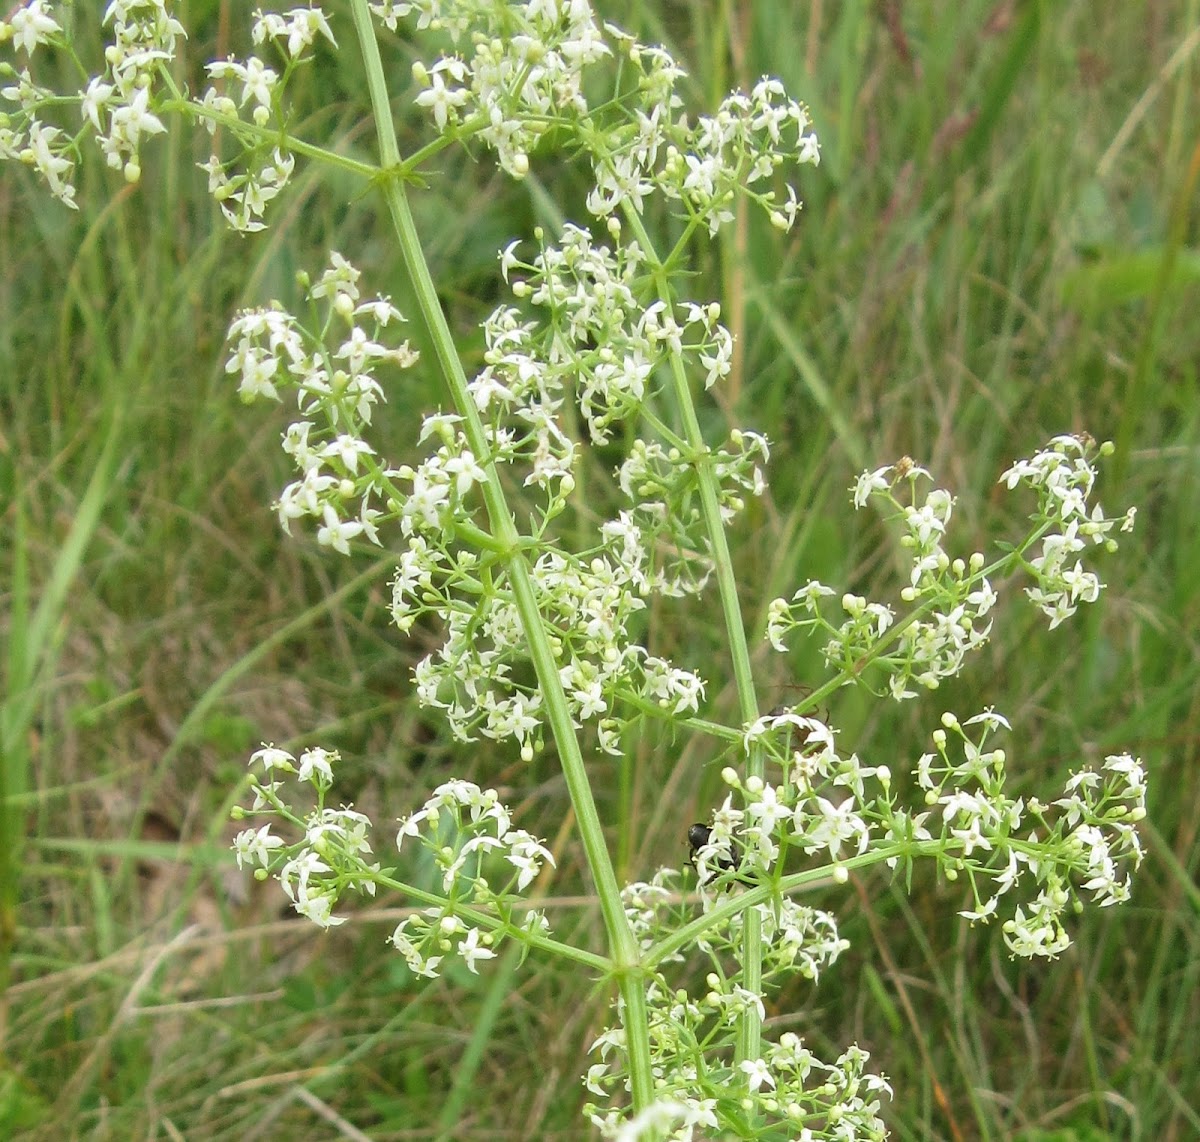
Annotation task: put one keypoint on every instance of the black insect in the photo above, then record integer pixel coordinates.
(698, 836)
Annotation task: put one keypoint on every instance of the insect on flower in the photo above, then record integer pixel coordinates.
(698, 836)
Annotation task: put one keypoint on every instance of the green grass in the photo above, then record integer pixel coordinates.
(1001, 244)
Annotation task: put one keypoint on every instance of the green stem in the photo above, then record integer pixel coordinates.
(623, 946)
(269, 134)
(760, 894)
(749, 1025)
(490, 922)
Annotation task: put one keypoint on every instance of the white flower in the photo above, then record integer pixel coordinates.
(471, 951)
(337, 532)
(527, 856)
(768, 809)
(255, 847)
(31, 26)
(271, 758)
(757, 1073)
(315, 766)
(869, 483)
(133, 119)
(442, 100)
(314, 900)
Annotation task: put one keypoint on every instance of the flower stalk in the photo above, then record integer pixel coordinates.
(623, 950)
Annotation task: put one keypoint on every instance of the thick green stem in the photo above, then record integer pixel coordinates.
(622, 944)
(749, 1026)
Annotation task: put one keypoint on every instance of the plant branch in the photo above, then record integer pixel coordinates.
(624, 950)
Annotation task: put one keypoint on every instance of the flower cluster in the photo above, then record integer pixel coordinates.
(1062, 474)
(340, 479)
(24, 136)
(952, 599)
(525, 70)
(117, 103)
(468, 834)
(1084, 842)
(786, 1088)
(598, 326)
(587, 603)
(246, 183)
(525, 74)
(692, 1038)
(332, 857)
(466, 830)
(705, 168)
(599, 341)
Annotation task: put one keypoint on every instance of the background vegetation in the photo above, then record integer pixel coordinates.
(1000, 244)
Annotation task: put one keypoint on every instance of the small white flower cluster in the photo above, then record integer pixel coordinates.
(663, 488)
(957, 596)
(1092, 838)
(332, 857)
(952, 598)
(294, 32)
(340, 477)
(587, 603)
(244, 185)
(972, 826)
(821, 802)
(469, 835)
(705, 167)
(24, 137)
(602, 343)
(587, 600)
(787, 1087)
(466, 830)
(525, 75)
(117, 102)
(727, 155)
(1063, 476)
(796, 939)
(599, 332)
(525, 71)
(690, 1037)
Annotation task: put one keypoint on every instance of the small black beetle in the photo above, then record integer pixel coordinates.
(698, 836)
